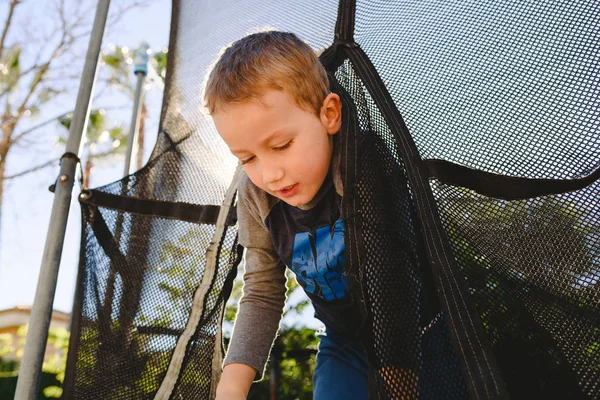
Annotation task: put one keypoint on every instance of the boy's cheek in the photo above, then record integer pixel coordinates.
(253, 175)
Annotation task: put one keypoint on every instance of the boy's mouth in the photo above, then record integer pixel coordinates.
(288, 191)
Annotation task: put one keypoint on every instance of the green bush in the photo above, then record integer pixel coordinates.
(8, 385)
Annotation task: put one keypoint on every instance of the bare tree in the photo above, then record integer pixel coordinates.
(40, 59)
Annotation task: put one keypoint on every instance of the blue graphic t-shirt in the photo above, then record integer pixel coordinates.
(311, 243)
(318, 261)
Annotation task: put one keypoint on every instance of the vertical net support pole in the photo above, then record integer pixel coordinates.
(140, 70)
(39, 322)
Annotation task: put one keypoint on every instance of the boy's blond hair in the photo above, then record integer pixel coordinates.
(267, 60)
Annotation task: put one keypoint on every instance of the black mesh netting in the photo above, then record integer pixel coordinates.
(471, 158)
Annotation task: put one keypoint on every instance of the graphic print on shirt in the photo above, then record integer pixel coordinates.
(318, 262)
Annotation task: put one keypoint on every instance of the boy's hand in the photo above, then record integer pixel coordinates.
(235, 382)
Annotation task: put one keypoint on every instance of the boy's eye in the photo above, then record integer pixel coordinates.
(285, 146)
(248, 160)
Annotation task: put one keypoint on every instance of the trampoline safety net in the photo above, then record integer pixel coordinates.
(471, 153)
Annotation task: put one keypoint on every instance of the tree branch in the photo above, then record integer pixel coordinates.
(121, 11)
(30, 170)
(50, 163)
(39, 77)
(38, 126)
(99, 156)
(21, 135)
(13, 5)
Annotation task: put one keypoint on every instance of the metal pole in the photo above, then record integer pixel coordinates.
(141, 70)
(39, 321)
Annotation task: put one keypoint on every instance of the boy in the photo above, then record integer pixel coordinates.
(270, 101)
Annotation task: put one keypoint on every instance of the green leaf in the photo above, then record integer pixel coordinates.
(117, 133)
(15, 62)
(159, 63)
(53, 392)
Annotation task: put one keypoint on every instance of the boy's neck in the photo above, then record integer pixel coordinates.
(333, 178)
(327, 183)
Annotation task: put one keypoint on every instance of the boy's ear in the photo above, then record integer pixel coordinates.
(331, 113)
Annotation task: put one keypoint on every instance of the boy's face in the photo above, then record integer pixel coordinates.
(285, 150)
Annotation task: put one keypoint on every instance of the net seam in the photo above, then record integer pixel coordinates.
(172, 375)
(359, 60)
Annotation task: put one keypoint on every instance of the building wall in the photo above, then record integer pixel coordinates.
(12, 343)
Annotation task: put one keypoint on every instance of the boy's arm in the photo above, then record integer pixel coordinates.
(260, 310)
(261, 305)
(235, 382)
(256, 325)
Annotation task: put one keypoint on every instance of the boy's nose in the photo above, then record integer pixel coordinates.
(271, 173)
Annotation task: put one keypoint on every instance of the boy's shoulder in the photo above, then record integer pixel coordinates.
(254, 199)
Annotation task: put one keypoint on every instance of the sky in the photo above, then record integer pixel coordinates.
(28, 203)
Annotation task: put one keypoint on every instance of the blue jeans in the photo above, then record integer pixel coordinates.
(342, 369)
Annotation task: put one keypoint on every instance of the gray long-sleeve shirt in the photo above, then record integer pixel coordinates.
(262, 302)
